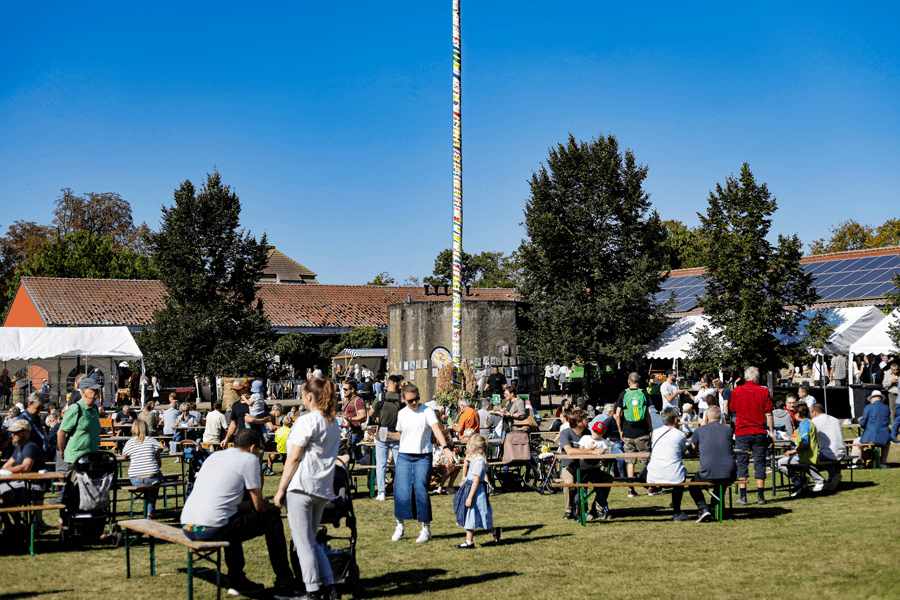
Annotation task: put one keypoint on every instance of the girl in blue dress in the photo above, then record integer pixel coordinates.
(473, 508)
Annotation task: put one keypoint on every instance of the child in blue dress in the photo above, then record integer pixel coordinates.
(473, 508)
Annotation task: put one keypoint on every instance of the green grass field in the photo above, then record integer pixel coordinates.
(841, 545)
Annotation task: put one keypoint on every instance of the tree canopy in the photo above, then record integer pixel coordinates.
(687, 247)
(851, 235)
(753, 289)
(484, 270)
(593, 259)
(212, 323)
(382, 278)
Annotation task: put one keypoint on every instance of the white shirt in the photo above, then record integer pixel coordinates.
(320, 442)
(670, 389)
(809, 400)
(415, 429)
(317, 373)
(216, 425)
(702, 395)
(831, 437)
(220, 486)
(666, 465)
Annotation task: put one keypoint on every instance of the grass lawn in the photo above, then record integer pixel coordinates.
(842, 545)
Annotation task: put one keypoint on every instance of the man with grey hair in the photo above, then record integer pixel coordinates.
(715, 444)
(754, 430)
(32, 414)
(468, 418)
(633, 421)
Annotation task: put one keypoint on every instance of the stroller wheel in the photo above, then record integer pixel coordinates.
(351, 584)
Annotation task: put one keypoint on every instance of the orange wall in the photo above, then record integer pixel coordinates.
(23, 313)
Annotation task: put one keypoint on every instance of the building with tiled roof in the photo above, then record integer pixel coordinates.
(315, 309)
(283, 269)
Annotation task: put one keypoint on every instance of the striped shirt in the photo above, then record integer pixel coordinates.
(143, 457)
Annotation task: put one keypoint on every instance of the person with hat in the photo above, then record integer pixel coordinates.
(240, 415)
(27, 457)
(570, 443)
(875, 421)
(80, 429)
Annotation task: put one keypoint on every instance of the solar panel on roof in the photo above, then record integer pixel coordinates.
(815, 267)
(884, 288)
(866, 263)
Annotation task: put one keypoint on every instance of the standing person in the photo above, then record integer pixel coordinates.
(472, 505)
(75, 394)
(495, 383)
(634, 422)
(415, 425)
(724, 400)
(144, 453)
(356, 414)
(215, 510)
(307, 483)
(240, 415)
(80, 429)
(515, 408)
(670, 392)
(714, 442)
(838, 371)
(385, 415)
(666, 464)
(169, 418)
(754, 431)
(890, 385)
(316, 372)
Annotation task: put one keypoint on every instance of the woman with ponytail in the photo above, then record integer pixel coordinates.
(307, 483)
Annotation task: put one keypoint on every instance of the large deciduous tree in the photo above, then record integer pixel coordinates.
(851, 235)
(592, 262)
(105, 214)
(754, 289)
(687, 247)
(484, 270)
(212, 323)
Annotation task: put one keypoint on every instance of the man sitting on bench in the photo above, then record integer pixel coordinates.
(27, 457)
(215, 510)
(714, 442)
(667, 444)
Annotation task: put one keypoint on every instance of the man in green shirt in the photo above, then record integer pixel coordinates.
(80, 428)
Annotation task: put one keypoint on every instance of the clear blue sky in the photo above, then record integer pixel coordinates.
(332, 120)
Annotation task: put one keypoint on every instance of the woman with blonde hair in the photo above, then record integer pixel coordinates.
(144, 453)
(307, 482)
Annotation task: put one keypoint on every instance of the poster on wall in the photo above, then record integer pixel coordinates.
(424, 364)
(434, 371)
(406, 365)
(412, 376)
(507, 371)
(477, 363)
(440, 357)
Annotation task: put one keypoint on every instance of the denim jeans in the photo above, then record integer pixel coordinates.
(381, 459)
(896, 427)
(618, 447)
(411, 499)
(150, 495)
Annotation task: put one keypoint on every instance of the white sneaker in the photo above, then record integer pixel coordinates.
(398, 533)
(380, 497)
(424, 536)
(819, 487)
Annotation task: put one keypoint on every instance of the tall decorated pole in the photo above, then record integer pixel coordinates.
(456, 347)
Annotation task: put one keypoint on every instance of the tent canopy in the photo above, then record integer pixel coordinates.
(851, 323)
(877, 340)
(674, 341)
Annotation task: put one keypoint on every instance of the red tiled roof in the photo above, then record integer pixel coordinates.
(285, 268)
(63, 302)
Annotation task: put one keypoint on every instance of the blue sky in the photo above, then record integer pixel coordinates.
(333, 121)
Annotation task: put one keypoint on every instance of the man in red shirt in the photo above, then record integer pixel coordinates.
(754, 430)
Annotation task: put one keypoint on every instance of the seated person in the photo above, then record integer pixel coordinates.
(875, 421)
(831, 443)
(27, 458)
(124, 416)
(804, 456)
(215, 510)
(596, 439)
(149, 416)
(468, 418)
(714, 442)
(443, 472)
(688, 418)
(216, 425)
(144, 469)
(184, 420)
(783, 419)
(667, 445)
(591, 471)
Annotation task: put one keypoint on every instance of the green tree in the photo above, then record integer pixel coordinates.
(297, 349)
(849, 235)
(687, 247)
(707, 353)
(443, 269)
(753, 289)
(212, 323)
(382, 278)
(593, 259)
(485, 270)
(105, 214)
(893, 303)
(23, 240)
(887, 235)
(363, 337)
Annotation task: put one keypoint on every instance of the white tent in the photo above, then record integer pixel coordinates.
(877, 340)
(674, 341)
(59, 350)
(851, 323)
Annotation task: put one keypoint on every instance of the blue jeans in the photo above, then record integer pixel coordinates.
(411, 499)
(381, 459)
(618, 447)
(150, 495)
(896, 428)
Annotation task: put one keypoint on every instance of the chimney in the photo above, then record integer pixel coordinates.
(426, 289)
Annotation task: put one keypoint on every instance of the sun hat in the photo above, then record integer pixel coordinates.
(876, 393)
(257, 387)
(687, 406)
(19, 425)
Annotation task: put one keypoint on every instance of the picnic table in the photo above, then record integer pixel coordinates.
(30, 512)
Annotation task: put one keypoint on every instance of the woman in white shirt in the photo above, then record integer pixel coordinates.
(143, 452)
(415, 425)
(307, 483)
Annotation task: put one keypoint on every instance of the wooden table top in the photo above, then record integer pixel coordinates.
(32, 476)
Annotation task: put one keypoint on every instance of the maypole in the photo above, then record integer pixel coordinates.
(456, 345)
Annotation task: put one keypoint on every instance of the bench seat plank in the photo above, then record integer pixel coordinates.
(169, 533)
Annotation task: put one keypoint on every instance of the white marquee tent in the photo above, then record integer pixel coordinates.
(877, 341)
(675, 340)
(60, 350)
(850, 324)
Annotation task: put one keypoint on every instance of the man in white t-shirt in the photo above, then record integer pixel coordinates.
(670, 391)
(216, 424)
(667, 445)
(831, 442)
(215, 511)
(317, 372)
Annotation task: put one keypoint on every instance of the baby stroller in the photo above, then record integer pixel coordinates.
(341, 556)
(86, 498)
(194, 457)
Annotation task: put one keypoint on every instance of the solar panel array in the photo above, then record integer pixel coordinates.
(836, 281)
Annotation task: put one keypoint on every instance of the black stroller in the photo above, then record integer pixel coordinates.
(88, 513)
(341, 556)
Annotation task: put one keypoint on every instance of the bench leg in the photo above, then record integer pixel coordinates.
(152, 556)
(31, 541)
(219, 574)
(190, 574)
(127, 557)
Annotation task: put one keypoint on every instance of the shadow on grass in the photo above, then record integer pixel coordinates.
(419, 581)
(16, 595)
(767, 512)
(521, 529)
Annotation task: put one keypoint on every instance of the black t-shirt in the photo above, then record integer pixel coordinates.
(386, 410)
(239, 410)
(632, 429)
(715, 443)
(121, 417)
(30, 450)
(496, 381)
